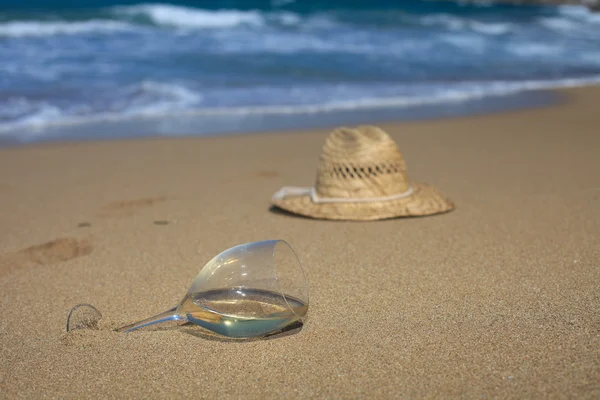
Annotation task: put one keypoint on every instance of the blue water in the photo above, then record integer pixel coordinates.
(76, 65)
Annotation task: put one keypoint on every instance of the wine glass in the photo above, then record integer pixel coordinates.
(249, 290)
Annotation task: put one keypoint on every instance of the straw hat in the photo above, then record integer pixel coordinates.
(362, 176)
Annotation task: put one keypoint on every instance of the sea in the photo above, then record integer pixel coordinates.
(104, 69)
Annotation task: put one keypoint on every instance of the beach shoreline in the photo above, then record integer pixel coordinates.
(202, 125)
(497, 298)
(185, 68)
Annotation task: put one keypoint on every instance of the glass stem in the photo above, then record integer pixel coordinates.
(169, 315)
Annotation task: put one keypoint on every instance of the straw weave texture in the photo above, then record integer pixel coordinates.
(364, 163)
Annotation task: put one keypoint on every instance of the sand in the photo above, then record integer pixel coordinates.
(499, 298)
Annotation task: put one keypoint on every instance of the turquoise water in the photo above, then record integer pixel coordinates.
(99, 68)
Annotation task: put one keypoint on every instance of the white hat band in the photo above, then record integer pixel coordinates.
(303, 191)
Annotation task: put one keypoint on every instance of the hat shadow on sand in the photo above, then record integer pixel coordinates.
(280, 211)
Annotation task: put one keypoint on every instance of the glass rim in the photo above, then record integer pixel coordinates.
(277, 279)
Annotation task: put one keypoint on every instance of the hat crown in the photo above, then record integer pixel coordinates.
(361, 162)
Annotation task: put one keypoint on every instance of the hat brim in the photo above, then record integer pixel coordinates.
(425, 200)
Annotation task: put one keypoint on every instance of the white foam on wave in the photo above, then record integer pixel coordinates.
(468, 91)
(579, 12)
(489, 28)
(455, 23)
(150, 97)
(559, 24)
(287, 18)
(30, 116)
(50, 28)
(49, 116)
(569, 18)
(186, 17)
(572, 18)
(165, 15)
(146, 99)
(445, 20)
(532, 49)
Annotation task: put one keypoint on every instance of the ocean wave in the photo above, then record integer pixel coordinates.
(468, 91)
(155, 15)
(145, 99)
(150, 97)
(159, 61)
(447, 21)
(146, 16)
(535, 49)
(559, 24)
(47, 116)
(578, 12)
(456, 23)
(186, 17)
(491, 28)
(23, 114)
(572, 19)
(51, 28)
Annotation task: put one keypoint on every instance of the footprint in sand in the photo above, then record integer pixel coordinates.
(128, 207)
(58, 250)
(52, 252)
